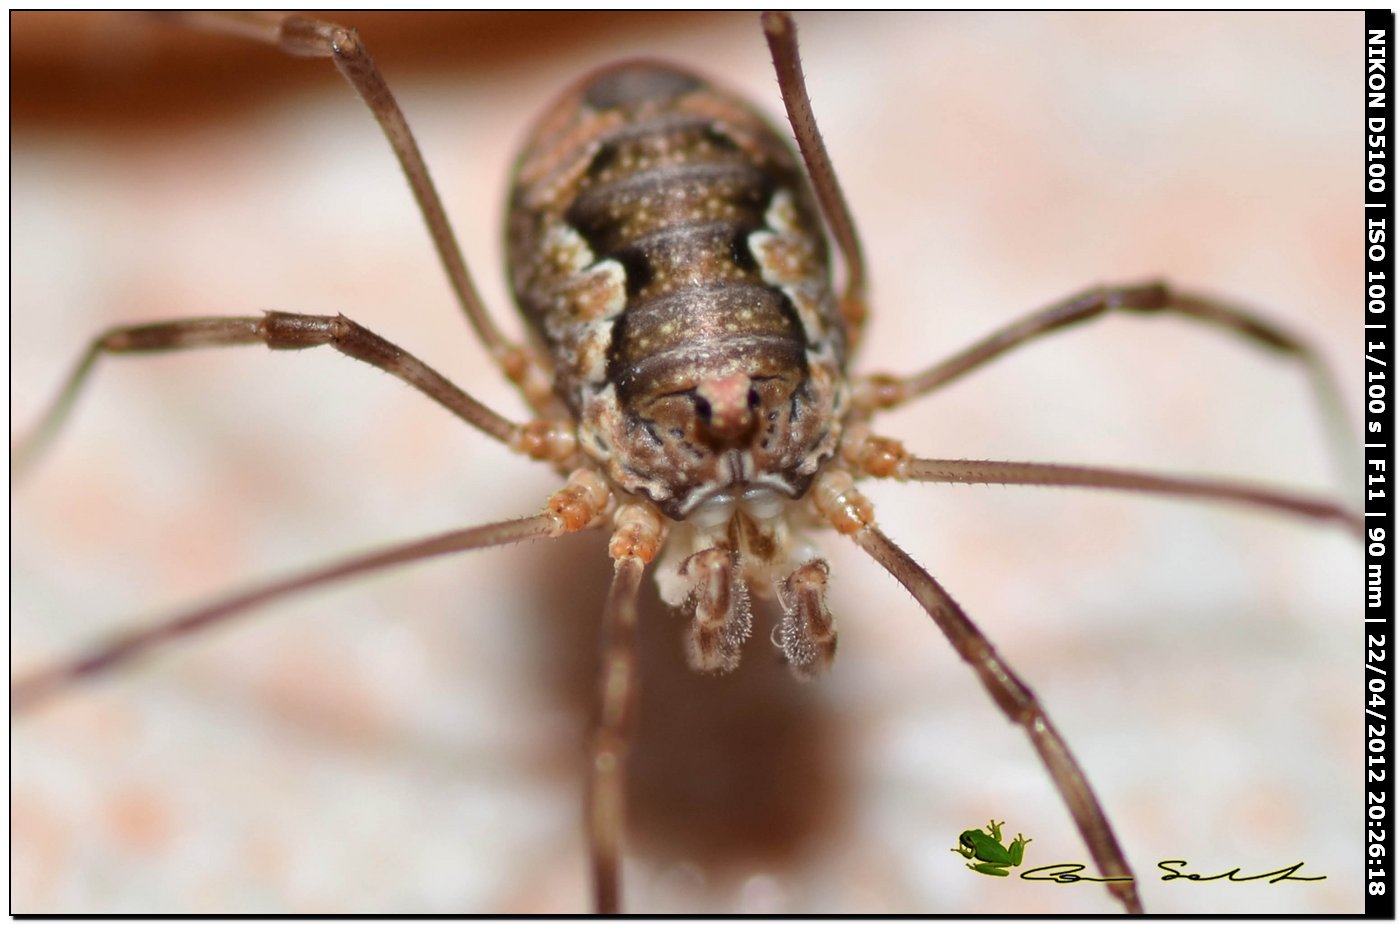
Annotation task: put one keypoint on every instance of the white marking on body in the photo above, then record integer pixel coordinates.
(593, 351)
(566, 249)
(601, 291)
(782, 213)
(785, 258)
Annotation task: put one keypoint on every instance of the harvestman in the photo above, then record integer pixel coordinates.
(585, 501)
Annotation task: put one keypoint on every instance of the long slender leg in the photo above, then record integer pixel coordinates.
(781, 32)
(882, 457)
(32, 689)
(634, 544)
(887, 391)
(312, 38)
(617, 687)
(302, 36)
(1021, 707)
(977, 471)
(285, 331)
(853, 515)
(574, 507)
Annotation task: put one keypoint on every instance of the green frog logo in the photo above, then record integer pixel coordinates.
(991, 857)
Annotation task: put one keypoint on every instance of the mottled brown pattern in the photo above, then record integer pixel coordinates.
(663, 240)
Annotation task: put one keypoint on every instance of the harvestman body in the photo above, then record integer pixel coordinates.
(690, 376)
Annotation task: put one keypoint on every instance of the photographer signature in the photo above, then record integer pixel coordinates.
(1174, 870)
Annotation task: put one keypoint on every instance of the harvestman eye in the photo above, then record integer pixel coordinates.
(706, 422)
